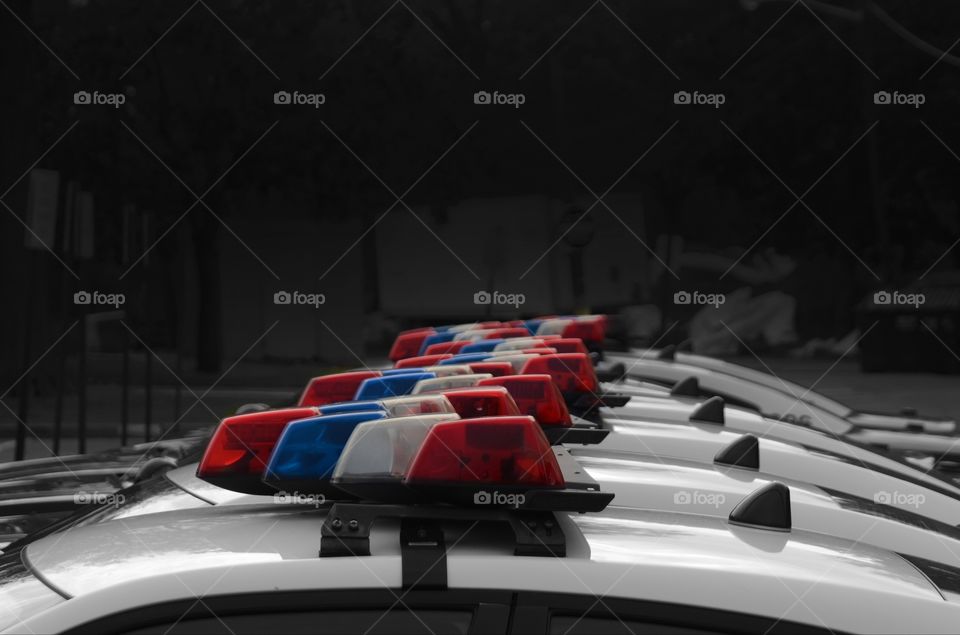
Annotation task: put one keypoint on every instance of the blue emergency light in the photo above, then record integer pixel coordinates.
(308, 449)
(389, 386)
(483, 346)
(437, 338)
(468, 358)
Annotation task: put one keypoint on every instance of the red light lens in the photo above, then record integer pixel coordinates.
(498, 333)
(497, 369)
(569, 345)
(240, 448)
(536, 396)
(503, 451)
(408, 343)
(540, 350)
(493, 401)
(592, 330)
(571, 372)
(421, 360)
(442, 348)
(334, 388)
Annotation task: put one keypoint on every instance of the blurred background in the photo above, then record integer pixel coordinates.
(206, 203)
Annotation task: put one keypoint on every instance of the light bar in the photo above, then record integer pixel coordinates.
(445, 347)
(435, 338)
(464, 358)
(503, 333)
(240, 447)
(589, 329)
(389, 386)
(308, 450)
(519, 343)
(474, 326)
(438, 384)
(483, 346)
(536, 396)
(421, 360)
(553, 326)
(489, 401)
(506, 454)
(333, 388)
(378, 455)
(572, 372)
(408, 343)
(517, 360)
(495, 368)
(568, 345)
(395, 406)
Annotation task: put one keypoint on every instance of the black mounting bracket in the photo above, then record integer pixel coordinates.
(346, 532)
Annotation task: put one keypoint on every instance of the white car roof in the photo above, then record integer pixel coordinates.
(667, 557)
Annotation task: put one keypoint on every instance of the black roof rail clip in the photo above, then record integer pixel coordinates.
(346, 531)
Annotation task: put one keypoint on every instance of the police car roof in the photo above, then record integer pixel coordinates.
(680, 558)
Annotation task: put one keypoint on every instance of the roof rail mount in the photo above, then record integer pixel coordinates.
(687, 387)
(346, 531)
(710, 411)
(668, 353)
(743, 452)
(766, 508)
(576, 434)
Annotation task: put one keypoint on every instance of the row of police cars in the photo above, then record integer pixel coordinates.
(531, 476)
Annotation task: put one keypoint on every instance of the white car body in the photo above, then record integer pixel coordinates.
(900, 422)
(640, 548)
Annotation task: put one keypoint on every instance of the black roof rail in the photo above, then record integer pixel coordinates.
(766, 508)
(686, 387)
(710, 411)
(668, 353)
(743, 452)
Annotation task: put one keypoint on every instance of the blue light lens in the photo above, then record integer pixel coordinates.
(403, 371)
(436, 338)
(483, 346)
(389, 386)
(350, 406)
(308, 449)
(463, 359)
(533, 325)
